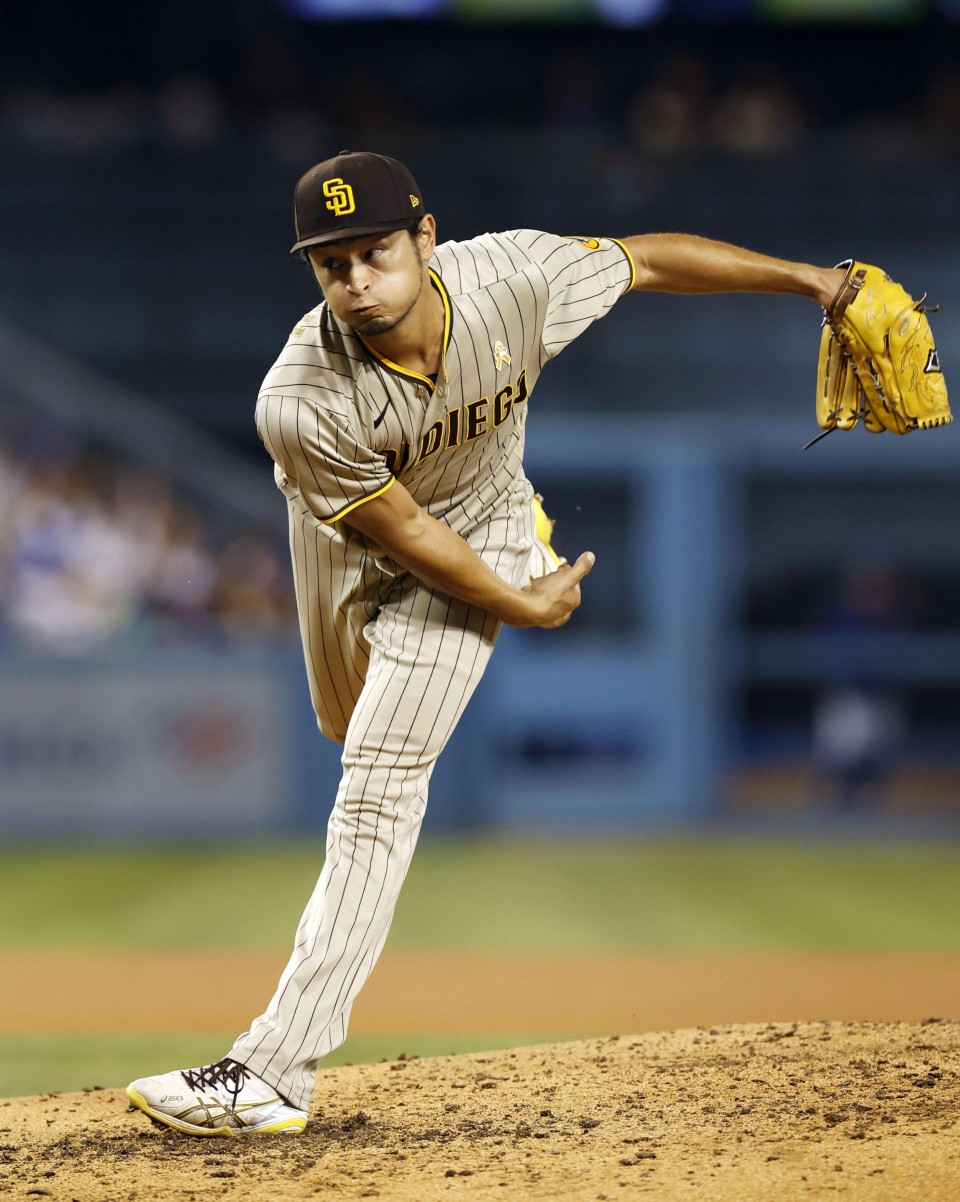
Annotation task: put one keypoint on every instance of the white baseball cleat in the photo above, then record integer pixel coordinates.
(218, 1099)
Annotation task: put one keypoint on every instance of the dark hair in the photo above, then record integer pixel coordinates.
(303, 256)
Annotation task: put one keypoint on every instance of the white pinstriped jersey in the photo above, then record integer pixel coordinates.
(391, 662)
(341, 422)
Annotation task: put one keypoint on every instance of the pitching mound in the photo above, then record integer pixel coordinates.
(734, 1114)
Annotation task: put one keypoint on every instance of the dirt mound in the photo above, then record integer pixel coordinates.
(734, 1114)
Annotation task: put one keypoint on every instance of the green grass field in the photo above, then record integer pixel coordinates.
(683, 894)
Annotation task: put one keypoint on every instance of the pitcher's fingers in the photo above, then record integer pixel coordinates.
(583, 565)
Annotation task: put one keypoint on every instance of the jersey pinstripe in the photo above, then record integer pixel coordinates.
(391, 662)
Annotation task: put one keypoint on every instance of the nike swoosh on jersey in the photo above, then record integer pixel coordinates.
(383, 414)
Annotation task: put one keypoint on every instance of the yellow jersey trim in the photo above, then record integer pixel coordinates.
(401, 371)
(447, 322)
(356, 504)
(445, 297)
(633, 266)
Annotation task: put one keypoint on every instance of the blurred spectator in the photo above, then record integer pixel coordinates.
(858, 739)
(666, 117)
(93, 556)
(73, 575)
(759, 114)
(178, 593)
(251, 596)
(859, 721)
(77, 124)
(297, 109)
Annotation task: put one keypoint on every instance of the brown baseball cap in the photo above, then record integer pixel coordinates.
(355, 193)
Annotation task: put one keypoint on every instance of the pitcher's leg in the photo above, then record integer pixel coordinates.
(427, 654)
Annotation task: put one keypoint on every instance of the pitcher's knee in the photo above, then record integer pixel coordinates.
(372, 787)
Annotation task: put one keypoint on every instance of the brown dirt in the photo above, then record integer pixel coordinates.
(451, 993)
(738, 1113)
(748, 1113)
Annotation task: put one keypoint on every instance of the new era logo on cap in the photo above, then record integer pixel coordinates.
(355, 193)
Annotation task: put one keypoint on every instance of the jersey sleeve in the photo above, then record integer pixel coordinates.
(585, 277)
(318, 457)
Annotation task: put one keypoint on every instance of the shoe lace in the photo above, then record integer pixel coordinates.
(225, 1072)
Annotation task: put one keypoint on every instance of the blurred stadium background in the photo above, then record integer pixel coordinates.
(770, 641)
(768, 633)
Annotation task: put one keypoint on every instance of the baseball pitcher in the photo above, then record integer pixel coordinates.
(395, 417)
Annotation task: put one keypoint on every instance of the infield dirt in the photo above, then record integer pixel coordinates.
(748, 1113)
